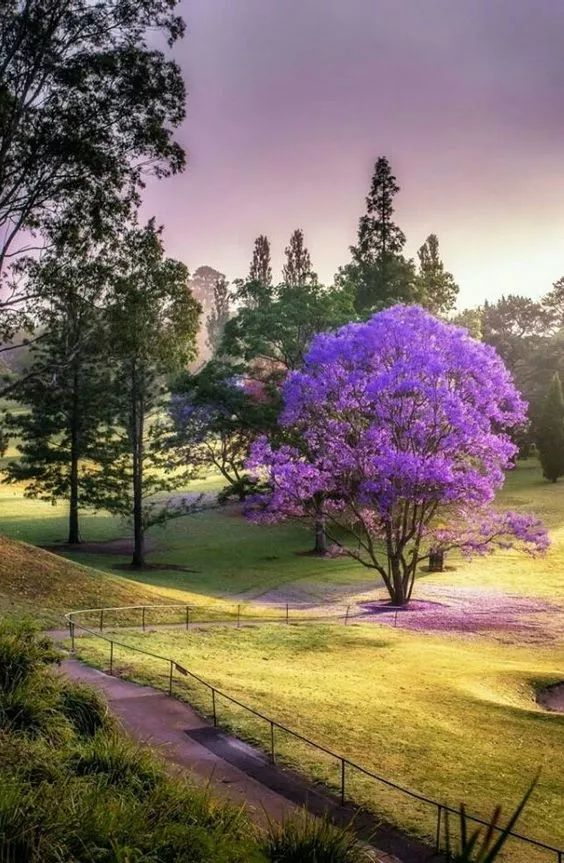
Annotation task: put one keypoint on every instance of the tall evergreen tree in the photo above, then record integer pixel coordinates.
(64, 395)
(152, 322)
(256, 289)
(297, 270)
(379, 275)
(261, 269)
(219, 314)
(437, 291)
(550, 435)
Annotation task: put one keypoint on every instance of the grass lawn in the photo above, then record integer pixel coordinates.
(227, 554)
(451, 715)
(451, 718)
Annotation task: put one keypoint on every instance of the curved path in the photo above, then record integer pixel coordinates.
(233, 769)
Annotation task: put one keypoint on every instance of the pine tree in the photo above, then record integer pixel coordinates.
(379, 274)
(256, 289)
(550, 434)
(152, 321)
(64, 393)
(219, 314)
(297, 271)
(436, 288)
(261, 270)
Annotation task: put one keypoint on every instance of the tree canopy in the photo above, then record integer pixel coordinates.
(403, 422)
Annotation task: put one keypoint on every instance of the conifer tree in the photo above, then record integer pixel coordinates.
(297, 271)
(152, 320)
(261, 270)
(379, 275)
(436, 288)
(256, 289)
(63, 397)
(219, 314)
(550, 434)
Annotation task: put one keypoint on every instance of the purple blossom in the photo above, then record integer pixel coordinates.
(403, 426)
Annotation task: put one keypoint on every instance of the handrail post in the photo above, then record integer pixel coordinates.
(342, 781)
(170, 677)
(213, 708)
(238, 616)
(187, 617)
(143, 618)
(287, 613)
(101, 620)
(272, 753)
(71, 624)
(438, 837)
(347, 615)
(111, 657)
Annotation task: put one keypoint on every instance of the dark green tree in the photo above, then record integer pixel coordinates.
(87, 109)
(379, 275)
(256, 289)
(550, 434)
(152, 322)
(297, 270)
(63, 397)
(273, 337)
(217, 414)
(553, 306)
(471, 320)
(436, 288)
(219, 314)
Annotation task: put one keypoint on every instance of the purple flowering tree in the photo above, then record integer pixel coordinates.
(401, 429)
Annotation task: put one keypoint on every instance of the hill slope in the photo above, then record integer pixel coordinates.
(36, 582)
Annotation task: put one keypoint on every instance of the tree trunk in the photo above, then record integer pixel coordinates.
(138, 559)
(320, 536)
(398, 593)
(436, 560)
(74, 533)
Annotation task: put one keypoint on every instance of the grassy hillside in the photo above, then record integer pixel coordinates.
(44, 585)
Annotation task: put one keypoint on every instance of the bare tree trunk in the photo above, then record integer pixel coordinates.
(320, 536)
(398, 593)
(436, 560)
(74, 533)
(137, 427)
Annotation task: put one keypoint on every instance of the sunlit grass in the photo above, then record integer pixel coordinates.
(451, 718)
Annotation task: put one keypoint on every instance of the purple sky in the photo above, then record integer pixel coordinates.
(291, 101)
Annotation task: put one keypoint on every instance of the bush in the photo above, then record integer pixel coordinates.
(116, 761)
(305, 838)
(86, 710)
(33, 709)
(22, 653)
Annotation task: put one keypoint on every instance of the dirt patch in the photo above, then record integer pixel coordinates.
(468, 610)
(148, 567)
(552, 698)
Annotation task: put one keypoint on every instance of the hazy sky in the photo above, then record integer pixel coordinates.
(291, 101)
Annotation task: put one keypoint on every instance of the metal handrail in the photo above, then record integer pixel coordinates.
(273, 723)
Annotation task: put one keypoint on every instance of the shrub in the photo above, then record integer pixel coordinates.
(86, 710)
(305, 838)
(32, 709)
(482, 845)
(22, 653)
(116, 761)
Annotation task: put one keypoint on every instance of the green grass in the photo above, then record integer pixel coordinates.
(228, 554)
(451, 718)
(36, 583)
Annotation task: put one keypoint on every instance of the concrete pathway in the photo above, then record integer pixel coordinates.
(233, 769)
